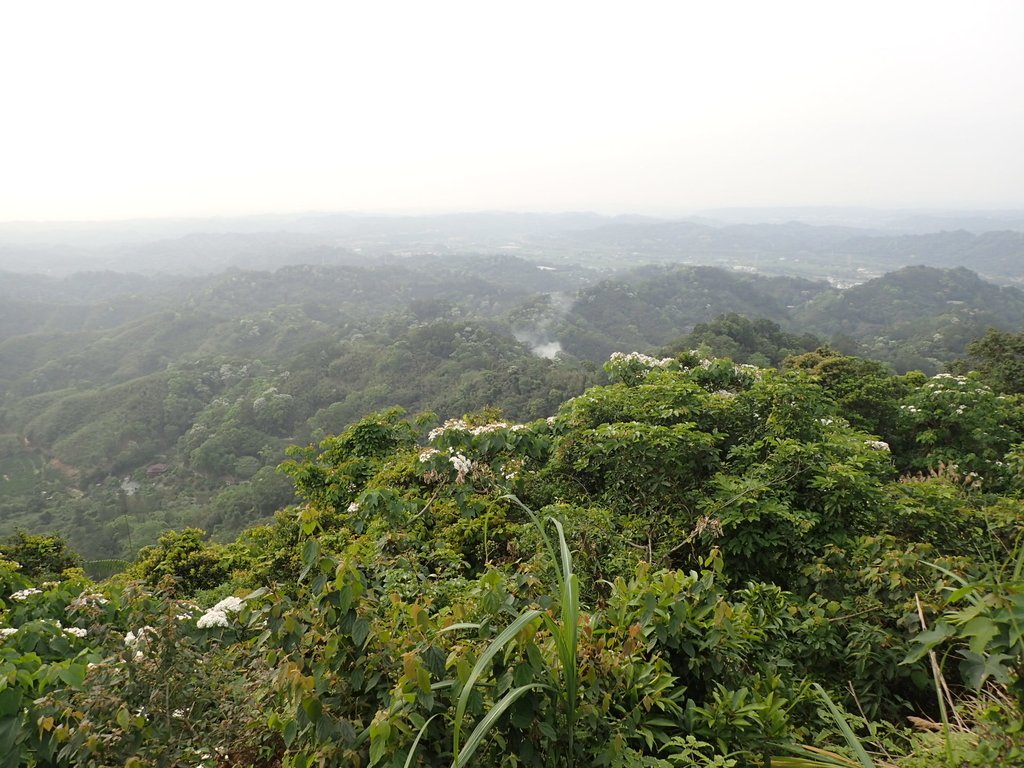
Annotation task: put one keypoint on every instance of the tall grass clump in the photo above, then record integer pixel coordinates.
(564, 630)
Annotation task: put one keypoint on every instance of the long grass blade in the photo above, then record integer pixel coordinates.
(488, 721)
(570, 634)
(851, 738)
(416, 741)
(485, 658)
(548, 545)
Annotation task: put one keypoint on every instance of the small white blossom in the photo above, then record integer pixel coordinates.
(877, 445)
(353, 507)
(427, 454)
(463, 467)
(134, 638)
(7, 631)
(76, 631)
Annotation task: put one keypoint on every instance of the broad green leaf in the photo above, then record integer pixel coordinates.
(928, 640)
(980, 630)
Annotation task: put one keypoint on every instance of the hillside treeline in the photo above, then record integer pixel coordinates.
(135, 404)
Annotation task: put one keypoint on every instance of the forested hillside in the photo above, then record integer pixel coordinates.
(134, 404)
(699, 564)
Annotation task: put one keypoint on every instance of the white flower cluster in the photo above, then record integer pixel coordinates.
(463, 466)
(942, 381)
(910, 408)
(25, 594)
(7, 631)
(744, 371)
(76, 631)
(639, 357)
(462, 426)
(212, 619)
(86, 599)
(877, 445)
(436, 432)
(353, 507)
(427, 454)
(217, 616)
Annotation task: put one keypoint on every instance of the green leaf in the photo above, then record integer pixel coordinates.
(73, 675)
(291, 730)
(981, 630)
(928, 640)
(488, 721)
(360, 631)
(10, 702)
(976, 668)
(10, 727)
(313, 708)
(310, 557)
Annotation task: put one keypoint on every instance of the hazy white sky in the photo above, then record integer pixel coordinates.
(138, 108)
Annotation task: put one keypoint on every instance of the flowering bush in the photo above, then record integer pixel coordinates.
(957, 420)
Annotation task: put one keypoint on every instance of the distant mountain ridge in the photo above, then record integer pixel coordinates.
(992, 245)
